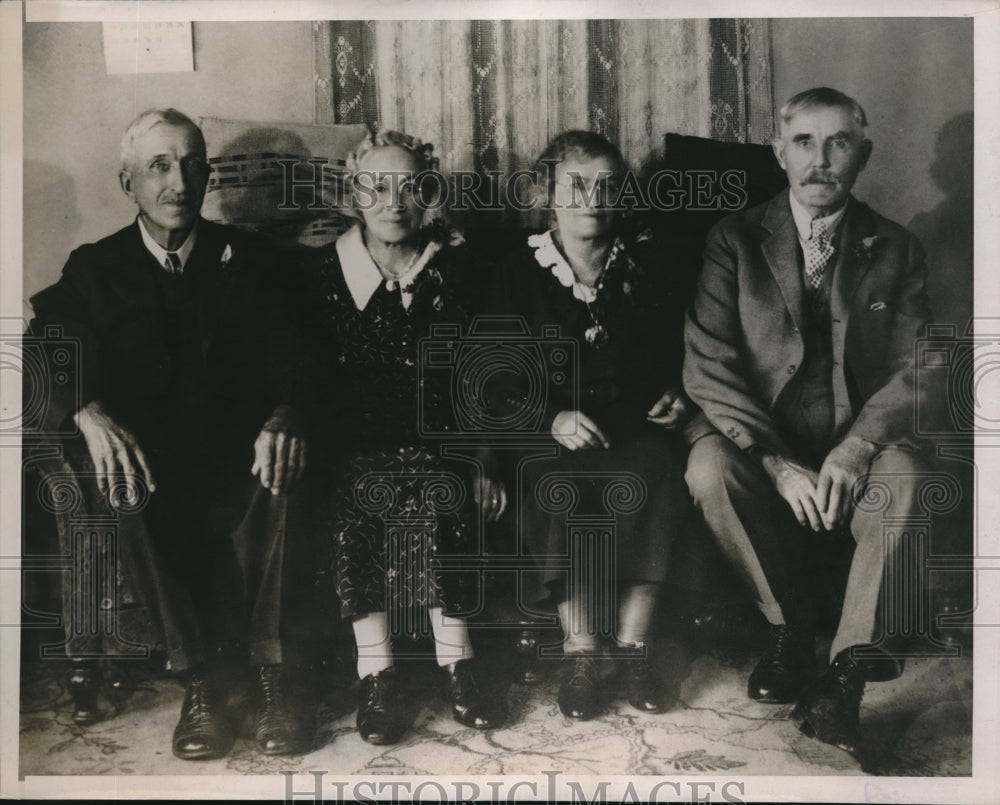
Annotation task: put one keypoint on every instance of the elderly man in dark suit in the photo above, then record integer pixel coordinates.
(799, 351)
(190, 383)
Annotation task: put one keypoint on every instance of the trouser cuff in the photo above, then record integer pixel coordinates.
(265, 652)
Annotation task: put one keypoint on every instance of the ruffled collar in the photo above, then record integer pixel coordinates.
(547, 255)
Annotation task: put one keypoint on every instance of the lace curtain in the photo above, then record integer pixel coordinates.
(490, 94)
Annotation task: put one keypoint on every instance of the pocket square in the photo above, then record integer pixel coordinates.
(878, 306)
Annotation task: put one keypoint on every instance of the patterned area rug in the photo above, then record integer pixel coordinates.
(917, 725)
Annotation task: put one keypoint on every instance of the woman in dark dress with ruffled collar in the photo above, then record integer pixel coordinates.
(614, 495)
(397, 504)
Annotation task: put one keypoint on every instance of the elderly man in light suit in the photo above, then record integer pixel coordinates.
(799, 351)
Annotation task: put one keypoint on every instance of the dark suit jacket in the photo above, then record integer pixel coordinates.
(109, 300)
(743, 334)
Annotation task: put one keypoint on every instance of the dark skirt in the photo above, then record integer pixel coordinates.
(603, 517)
(398, 515)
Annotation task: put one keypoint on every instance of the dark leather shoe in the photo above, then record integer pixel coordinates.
(643, 686)
(882, 669)
(830, 708)
(84, 682)
(469, 705)
(787, 665)
(580, 691)
(204, 731)
(278, 729)
(378, 708)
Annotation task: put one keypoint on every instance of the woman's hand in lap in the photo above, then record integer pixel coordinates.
(670, 411)
(577, 431)
(491, 497)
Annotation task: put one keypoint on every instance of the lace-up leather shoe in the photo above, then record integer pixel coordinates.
(278, 729)
(580, 691)
(378, 708)
(643, 686)
(469, 705)
(830, 708)
(204, 731)
(788, 663)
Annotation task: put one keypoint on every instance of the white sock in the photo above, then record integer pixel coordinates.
(451, 637)
(635, 613)
(577, 620)
(371, 633)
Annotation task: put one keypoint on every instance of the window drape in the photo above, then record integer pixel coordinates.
(491, 93)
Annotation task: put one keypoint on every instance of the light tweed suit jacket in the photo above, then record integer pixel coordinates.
(743, 333)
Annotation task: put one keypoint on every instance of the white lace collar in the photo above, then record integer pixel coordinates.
(547, 255)
(362, 275)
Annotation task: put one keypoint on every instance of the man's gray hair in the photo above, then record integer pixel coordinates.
(822, 96)
(146, 121)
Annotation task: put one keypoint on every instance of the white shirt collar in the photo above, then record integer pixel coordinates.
(803, 218)
(362, 275)
(159, 253)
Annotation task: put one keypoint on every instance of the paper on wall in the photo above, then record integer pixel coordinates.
(148, 47)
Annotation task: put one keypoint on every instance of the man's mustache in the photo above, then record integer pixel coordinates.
(819, 178)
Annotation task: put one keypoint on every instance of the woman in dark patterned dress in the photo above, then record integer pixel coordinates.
(398, 506)
(614, 494)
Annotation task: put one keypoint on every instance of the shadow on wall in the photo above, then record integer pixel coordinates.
(48, 191)
(247, 188)
(946, 231)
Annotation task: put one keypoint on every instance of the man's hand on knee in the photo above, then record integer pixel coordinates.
(280, 451)
(796, 483)
(113, 449)
(845, 464)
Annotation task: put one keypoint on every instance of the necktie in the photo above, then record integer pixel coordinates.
(818, 251)
(173, 264)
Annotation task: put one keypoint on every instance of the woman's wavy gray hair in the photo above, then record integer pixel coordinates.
(423, 151)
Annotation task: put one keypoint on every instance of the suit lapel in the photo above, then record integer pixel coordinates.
(781, 250)
(849, 269)
(213, 284)
(131, 271)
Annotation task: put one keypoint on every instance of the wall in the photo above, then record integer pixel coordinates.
(914, 78)
(74, 114)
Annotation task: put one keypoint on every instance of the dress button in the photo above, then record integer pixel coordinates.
(791, 369)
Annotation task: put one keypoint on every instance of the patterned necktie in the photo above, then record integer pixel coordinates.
(173, 264)
(819, 250)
